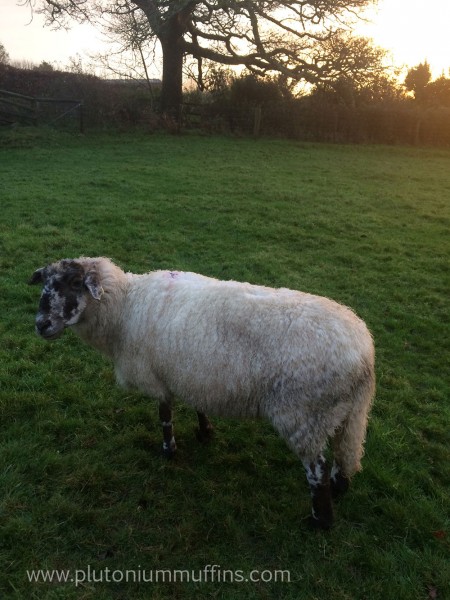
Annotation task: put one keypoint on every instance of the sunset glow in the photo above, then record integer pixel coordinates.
(413, 31)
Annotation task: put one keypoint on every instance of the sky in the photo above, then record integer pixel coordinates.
(412, 30)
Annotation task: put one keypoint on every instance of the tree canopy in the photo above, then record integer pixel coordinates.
(302, 40)
(428, 93)
(417, 80)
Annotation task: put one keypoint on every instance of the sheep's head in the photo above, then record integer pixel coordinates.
(67, 286)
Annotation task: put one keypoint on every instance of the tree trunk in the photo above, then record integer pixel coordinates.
(172, 77)
(173, 47)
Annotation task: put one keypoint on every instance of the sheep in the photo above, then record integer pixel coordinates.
(304, 362)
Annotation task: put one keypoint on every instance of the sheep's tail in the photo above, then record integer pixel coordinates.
(348, 442)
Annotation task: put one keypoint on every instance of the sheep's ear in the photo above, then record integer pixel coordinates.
(93, 285)
(37, 277)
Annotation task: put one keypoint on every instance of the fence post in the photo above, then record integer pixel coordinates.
(80, 107)
(257, 121)
(35, 112)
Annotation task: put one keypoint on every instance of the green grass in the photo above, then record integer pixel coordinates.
(81, 477)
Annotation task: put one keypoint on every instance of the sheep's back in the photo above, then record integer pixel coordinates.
(228, 347)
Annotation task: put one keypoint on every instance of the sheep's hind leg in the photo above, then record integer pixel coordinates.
(165, 415)
(339, 483)
(205, 430)
(319, 485)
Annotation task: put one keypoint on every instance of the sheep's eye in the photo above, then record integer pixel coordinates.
(76, 283)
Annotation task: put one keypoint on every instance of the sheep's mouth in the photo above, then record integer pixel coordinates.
(50, 334)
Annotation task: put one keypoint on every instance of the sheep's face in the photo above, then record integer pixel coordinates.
(66, 288)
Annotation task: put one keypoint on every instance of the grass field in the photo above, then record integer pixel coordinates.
(82, 482)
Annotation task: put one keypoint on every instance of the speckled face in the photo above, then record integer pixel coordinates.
(63, 297)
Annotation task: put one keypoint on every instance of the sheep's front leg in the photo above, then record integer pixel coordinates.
(319, 485)
(165, 415)
(205, 430)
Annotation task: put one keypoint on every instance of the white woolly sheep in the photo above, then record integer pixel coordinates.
(303, 362)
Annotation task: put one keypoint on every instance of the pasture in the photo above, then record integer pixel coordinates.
(83, 487)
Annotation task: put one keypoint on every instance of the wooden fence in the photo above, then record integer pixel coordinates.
(26, 110)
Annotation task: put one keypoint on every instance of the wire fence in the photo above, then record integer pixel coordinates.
(300, 119)
(395, 123)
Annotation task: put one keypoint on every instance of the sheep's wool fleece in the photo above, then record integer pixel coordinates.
(234, 349)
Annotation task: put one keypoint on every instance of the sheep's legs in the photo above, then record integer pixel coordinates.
(205, 430)
(339, 483)
(165, 415)
(319, 485)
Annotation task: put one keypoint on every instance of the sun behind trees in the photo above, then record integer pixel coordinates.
(426, 92)
(300, 40)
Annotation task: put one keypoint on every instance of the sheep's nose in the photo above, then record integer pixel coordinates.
(42, 326)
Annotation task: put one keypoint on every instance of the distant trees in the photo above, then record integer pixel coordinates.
(44, 66)
(432, 105)
(4, 56)
(428, 93)
(370, 109)
(250, 90)
(437, 92)
(417, 80)
(346, 91)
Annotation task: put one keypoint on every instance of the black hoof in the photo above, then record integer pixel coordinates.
(169, 452)
(204, 436)
(324, 523)
(339, 485)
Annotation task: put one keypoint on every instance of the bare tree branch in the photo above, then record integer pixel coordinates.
(301, 39)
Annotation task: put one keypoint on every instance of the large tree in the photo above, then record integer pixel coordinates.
(295, 39)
